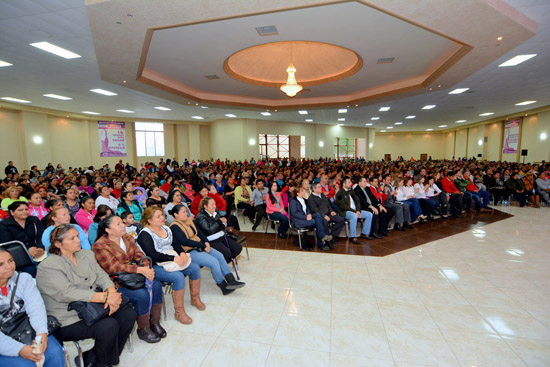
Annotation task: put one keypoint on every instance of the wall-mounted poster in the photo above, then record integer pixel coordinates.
(511, 137)
(112, 139)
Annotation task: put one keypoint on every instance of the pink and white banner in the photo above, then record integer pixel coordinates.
(511, 137)
(112, 139)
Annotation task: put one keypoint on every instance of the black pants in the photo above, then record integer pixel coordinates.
(233, 251)
(259, 211)
(456, 203)
(248, 210)
(232, 221)
(338, 224)
(443, 202)
(110, 335)
(379, 222)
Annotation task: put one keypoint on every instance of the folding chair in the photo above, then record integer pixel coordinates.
(20, 254)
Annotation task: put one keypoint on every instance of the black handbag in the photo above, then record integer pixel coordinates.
(131, 280)
(53, 324)
(17, 326)
(91, 312)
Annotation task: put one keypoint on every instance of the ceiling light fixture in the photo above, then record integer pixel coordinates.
(499, 38)
(486, 114)
(265, 113)
(230, 115)
(525, 103)
(104, 92)
(442, 125)
(204, 106)
(342, 110)
(197, 117)
(382, 131)
(428, 107)
(91, 113)
(459, 90)
(4, 63)
(342, 119)
(125, 111)
(303, 112)
(516, 60)
(340, 124)
(399, 123)
(291, 88)
(368, 124)
(429, 129)
(384, 109)
(460, 121)
(56, 96)
(11, 99)
(389, 127)
(375, 118)
(56, 50)
(309, 120)
(163, 108)
(410, 117)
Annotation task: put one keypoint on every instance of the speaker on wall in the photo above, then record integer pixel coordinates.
(480, 155)
(524, 152)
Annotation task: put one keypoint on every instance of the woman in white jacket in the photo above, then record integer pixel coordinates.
(406, 194)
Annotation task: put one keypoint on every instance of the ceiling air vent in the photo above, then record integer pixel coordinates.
(211, 77)
(269, 30)
(385, 60)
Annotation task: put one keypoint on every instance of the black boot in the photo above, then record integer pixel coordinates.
(399, 227)
(224, 289)
(233, 283)
(407, 225)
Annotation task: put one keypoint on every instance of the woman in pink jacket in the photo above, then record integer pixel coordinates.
(275, 208)
(85, 216)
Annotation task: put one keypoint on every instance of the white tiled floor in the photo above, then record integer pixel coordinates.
(479, 298)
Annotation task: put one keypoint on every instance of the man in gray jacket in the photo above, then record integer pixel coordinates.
(319, 203)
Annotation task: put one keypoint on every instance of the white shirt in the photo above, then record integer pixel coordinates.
(111, 202)
(404, 192)
(122, 245)
(303, 203)
(421, 194)
(433, 190)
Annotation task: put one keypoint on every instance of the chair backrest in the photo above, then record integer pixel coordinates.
(19, 253)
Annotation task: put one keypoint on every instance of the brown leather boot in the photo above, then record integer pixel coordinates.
(180, 315)
(537, 201)
(144, 331)
(195, 290)
(156, 311)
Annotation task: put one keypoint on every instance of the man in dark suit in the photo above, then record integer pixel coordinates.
(319, 203)
(375, 196)
(361, 190)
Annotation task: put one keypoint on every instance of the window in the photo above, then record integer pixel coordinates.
(345, 148)
(150, 139)
(274, 146)
(302, 146)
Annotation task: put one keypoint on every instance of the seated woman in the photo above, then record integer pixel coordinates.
(219, 183)
(36, 206)
(221, 206)
(307, 187)
(20, 226)
(72, 274)
(434, 192)
(116, 251)
(175, 198)
(302, 218)
(58, 217)
(129, 204)
(85, 216)
(71, 201)
(427, 205)
(275, 208)
(155, 239)
(102, 212)
(209, 222)
(155, 198)
(12, 352)
(105, 198)
(187, 238)
(405, 194)
(11, 195)
(84, 186)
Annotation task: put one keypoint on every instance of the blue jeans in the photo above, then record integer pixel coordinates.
(481, 198)
(416, 211)
(352, 217)
(54, 357)
(213, 260)
(283, 222)
(177, 278)
(140, 297)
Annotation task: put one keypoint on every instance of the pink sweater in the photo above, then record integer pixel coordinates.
(272, 208)
(84, 219)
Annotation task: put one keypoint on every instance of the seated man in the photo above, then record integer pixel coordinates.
(375, 196)
(456, 196)
(361, 190)
(543, 187)
(349, 207)
(301, 217)
(462, 185)
(516, 187)
(319, 204)
(481, 197)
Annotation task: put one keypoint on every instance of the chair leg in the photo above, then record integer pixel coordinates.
(347, 225)
(129, 342)
(80, 355)
(66, 354)
(246, 248)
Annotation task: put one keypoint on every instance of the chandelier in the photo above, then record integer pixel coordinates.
(291, 88)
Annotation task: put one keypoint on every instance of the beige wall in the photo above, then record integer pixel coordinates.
(409, 145)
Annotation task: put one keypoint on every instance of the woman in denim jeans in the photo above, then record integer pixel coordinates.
(155, 240)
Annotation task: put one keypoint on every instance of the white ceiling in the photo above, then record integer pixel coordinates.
(65, 23)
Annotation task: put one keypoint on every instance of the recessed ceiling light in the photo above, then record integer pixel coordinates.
(91, 113)
(342, 110)
(4, 63)
(428, 107)
(63, 98)
(442, 125)
(309, 120)
(410, 117)
(204, 106)
(382, 131)
(125, 111)
(398, 123)
(459, 90)
(499, 38)
(104, 92)
(429, 129)
(460, 121)
(486, 114)
(375, 118)
(389, 127)
(56, 50)
(368, 124)
(197, 117)
(516, 60)
(265, 113)
(525, 103)
(303, 112)
(341, 119)
(384, 109)
(230, 115)
(163, 108)
(11, 99)
(340, 124)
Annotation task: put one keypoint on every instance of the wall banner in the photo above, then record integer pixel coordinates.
(511, 137)
(112, 139)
